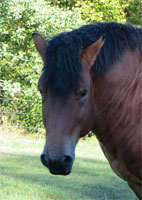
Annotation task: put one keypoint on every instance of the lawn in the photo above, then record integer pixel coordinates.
(23, 177)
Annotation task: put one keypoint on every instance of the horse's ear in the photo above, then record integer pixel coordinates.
(89, 54)
(40, 45)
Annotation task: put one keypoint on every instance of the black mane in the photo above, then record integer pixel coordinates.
(63, 66)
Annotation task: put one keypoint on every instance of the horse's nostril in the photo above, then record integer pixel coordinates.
(67, 160)
(44, 159)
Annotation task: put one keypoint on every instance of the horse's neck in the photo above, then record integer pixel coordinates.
(119, 101)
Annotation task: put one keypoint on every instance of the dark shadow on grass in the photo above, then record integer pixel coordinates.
(84, 181)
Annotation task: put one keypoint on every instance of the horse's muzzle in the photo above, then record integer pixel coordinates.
(62, 166)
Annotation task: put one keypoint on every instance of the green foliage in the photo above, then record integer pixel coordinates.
(68, 4)
(20, 65)
(134, 12)
(105, 10)
(102, 10)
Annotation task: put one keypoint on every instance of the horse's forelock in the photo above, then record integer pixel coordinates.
(63, 66)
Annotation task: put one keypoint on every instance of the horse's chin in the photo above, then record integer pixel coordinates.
(65, 172)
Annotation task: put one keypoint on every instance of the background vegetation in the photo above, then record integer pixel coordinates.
(20, 102)
(20, 65)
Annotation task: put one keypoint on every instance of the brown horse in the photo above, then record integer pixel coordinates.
(92, 81)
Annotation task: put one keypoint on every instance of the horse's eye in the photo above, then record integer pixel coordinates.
(82, 94)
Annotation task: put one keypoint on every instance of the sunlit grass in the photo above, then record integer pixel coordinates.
(22, 176)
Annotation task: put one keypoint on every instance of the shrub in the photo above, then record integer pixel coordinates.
(20, 65)
(134, 12)
(102, 10)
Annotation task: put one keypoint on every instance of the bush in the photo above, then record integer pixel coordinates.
(20, 65)
(102, 10)
(134, 12)
(105, 10)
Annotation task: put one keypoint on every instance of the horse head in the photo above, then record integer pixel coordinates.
(67, 118)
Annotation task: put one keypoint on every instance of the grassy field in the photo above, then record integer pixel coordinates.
(22, 176)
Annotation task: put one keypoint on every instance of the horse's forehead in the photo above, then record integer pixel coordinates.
(63, 104)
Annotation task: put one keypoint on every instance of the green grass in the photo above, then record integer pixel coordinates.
(23, 177)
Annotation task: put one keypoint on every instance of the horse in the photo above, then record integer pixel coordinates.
(92, 81)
